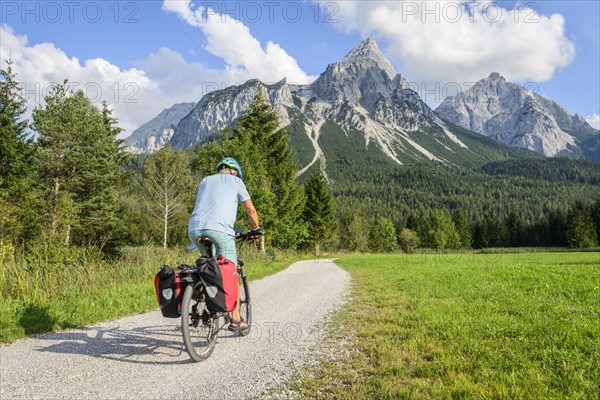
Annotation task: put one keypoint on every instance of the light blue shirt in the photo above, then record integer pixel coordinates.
(217, 203)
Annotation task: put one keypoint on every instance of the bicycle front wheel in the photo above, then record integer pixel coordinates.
(199, 328)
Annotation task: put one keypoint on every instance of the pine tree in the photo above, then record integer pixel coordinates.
(80, 158)
(581, 231)
(58, 126)
(411, 222)
(167, 187)
(354, 231)
(258, 130)
(383, 236)
(557, 228)
(515, 229)
(462, 227)
(496, 232)
(319, 210)
(442, 233)
(16, 160)
(480, 235)
(103, 213)
(427, 234)
(539, 233)
(98, 195)
(595, 210)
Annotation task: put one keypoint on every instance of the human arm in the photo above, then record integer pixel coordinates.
(252, 214)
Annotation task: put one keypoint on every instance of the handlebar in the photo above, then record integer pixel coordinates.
(250, 235)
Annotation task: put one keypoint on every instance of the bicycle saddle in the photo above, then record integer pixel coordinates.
(205, 240)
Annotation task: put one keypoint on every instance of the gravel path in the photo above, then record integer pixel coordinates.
(143, 356)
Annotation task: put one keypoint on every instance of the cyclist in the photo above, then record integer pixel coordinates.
(215, 213)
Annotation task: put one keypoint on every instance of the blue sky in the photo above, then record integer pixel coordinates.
(167, 56)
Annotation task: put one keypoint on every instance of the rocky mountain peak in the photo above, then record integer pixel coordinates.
(157, 132)
(369, 51)
(494, 76)
(516, 116)
(362, 77)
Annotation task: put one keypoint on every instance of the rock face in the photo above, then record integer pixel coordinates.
(513, 115)
(157, 132)
(362, 77)
(221, 108)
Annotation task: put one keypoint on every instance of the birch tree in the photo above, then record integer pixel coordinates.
(167, 187)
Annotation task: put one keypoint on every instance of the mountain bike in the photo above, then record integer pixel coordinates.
(200, 326)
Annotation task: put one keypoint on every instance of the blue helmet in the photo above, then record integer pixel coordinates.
(230, 163)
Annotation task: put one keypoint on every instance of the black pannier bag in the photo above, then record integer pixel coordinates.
(169, 291)
(220, 279)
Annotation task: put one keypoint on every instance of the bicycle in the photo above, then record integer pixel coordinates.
(200, 326)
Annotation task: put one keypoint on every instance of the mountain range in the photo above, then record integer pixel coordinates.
(361, 110)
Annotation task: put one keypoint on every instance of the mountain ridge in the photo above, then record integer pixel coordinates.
(363, 95)
(360, 93)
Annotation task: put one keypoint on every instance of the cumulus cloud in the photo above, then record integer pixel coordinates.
(231, 40)
(461, 41)
(136, 95)
(159, 81)
(40, 66)
(593, 120)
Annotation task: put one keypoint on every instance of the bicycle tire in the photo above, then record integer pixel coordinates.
(199, 336)
(245, 306)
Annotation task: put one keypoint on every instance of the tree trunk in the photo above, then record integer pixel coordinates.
(165, 234)
(262, 245)
(165, 227)
(317, 249)
(54, 221)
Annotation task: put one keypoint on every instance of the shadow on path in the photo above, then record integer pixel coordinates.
(158, 345)
(138, 345)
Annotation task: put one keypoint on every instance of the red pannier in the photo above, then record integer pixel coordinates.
(220, 280)
(169, 289)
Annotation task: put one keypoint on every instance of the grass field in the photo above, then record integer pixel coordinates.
(481, 326)
(39, 294)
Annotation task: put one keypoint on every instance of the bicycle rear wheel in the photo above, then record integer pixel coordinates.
(245, 306)
(199, 328)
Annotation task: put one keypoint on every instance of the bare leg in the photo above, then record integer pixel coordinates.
(236, 311)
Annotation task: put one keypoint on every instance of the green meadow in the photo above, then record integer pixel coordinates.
(472, 326)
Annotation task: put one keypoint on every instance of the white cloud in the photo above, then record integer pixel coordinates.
(231, 40)
(159, 81)
(593, 120)
(458, 41)
(40, 66)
